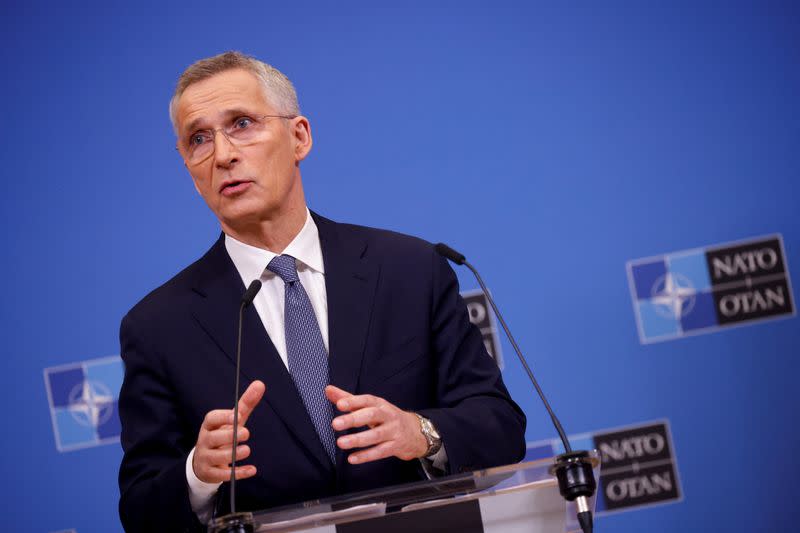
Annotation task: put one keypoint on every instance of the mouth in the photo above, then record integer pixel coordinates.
(234, 187)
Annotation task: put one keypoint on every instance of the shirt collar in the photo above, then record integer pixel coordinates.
(251, 261)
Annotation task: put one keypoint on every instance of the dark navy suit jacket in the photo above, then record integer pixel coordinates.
(398, 329)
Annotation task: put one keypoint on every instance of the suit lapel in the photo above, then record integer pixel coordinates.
(218, 289)
(350, 282)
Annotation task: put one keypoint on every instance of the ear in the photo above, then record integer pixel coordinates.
(301, 131)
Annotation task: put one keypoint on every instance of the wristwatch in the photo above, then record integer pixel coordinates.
(428, 431)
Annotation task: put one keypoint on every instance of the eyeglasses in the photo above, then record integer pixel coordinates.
(243, 131)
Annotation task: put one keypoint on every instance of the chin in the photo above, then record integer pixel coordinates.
(244, 215)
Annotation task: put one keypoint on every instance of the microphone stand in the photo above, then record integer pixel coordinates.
(234, 522)
(573, 469)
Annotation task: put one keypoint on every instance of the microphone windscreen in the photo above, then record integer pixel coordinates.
(251, 292)
(447, 252)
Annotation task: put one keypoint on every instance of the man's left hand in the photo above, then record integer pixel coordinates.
(392, 431)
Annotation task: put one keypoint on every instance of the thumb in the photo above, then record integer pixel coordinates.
(334, 394)
(250, 399)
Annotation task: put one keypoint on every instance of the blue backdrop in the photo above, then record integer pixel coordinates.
(549, 143)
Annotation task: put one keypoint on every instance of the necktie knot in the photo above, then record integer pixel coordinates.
(285, 267)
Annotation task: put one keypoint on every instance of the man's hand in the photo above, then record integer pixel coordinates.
(393, 432)
(212, 453)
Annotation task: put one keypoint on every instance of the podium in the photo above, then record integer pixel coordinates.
(509, 499)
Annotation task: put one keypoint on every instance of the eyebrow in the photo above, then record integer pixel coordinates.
(230, 113)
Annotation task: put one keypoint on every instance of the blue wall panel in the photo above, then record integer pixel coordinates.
(551, 144)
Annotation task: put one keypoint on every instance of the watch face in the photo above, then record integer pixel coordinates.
(430, 430)
(431, 435)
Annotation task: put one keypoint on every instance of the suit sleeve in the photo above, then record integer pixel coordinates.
(480, 425)
(152, 479)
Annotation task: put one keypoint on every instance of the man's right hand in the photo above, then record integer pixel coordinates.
(212, 453)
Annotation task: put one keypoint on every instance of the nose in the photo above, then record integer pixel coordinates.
(225, 152)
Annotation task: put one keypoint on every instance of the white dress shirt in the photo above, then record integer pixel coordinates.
(251, 263)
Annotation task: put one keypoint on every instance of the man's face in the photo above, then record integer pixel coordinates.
(248, 183)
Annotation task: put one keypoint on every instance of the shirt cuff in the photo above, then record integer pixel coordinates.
(201, 494)
(435, 465)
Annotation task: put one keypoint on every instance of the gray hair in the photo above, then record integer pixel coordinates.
(279, 90)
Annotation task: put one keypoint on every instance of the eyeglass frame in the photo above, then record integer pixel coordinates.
(213, 132)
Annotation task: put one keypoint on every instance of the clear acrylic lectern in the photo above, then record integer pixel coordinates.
(509, 499)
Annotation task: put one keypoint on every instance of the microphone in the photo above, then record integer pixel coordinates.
(450, 254)
(247, 299)
(572, 469)
(250, 294)
(237, 522)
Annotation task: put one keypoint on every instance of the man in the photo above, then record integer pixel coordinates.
(360, 364)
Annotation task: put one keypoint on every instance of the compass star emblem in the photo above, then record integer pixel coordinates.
(673, 295)
(91, 403)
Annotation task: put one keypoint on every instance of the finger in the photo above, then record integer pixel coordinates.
(334, 394)
(221, 457)
(351, 403)
(217, 418)
(381, 451)
(219, 475)
(250, 399)
(224, 437)
(362, 417)
(363, 439)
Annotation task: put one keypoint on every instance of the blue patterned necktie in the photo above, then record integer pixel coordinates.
(308, 360)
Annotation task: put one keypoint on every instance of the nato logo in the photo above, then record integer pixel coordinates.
(638, 466)
(83, 402)
(481, 315)
(703, 290)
